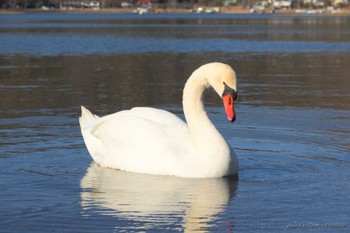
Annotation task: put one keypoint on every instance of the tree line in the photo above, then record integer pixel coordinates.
(27, 4)
(32, 4)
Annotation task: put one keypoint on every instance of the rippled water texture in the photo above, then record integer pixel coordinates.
(291, 135)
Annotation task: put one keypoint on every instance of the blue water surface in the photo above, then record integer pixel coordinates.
(291, 135)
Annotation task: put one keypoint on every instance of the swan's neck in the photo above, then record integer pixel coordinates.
(204, 134)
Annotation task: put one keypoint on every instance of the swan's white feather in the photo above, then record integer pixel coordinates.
(145, 140)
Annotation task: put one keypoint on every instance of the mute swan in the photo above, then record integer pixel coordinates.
(154, 141)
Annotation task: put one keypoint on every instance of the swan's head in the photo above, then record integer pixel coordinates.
(223, 79)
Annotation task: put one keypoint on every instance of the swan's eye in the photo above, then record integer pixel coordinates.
(235, 95)
(229, 90)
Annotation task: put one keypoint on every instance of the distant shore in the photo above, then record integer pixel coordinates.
(223, 10)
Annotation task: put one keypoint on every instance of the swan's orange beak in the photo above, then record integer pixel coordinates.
(229, 105)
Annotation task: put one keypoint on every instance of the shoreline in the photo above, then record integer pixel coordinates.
(223, 10)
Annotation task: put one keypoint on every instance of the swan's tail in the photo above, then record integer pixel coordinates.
(86, 117)
(93, 145)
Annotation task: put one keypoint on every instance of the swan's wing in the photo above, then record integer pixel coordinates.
(142, 134)
(142, 140)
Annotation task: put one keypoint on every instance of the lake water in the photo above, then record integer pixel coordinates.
(291, 136)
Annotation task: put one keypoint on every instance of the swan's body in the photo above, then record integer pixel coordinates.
(153, 141)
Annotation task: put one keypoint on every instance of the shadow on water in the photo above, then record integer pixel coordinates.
(122, 81)
(147, 201)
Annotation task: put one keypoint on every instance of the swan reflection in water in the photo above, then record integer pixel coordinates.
(153, 201)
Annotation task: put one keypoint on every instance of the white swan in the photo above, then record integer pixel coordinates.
(153, 141)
